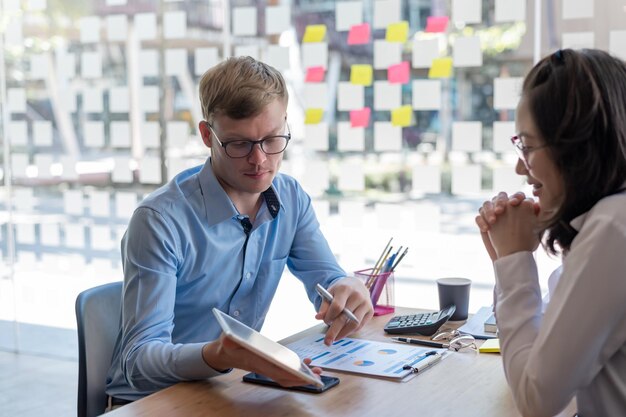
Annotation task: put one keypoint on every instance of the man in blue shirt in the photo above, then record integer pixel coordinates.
(220, 235)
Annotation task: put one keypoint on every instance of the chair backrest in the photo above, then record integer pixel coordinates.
(98, 312)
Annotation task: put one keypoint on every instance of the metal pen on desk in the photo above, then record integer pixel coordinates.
(420, 342)
(329, 297)
(424, 363)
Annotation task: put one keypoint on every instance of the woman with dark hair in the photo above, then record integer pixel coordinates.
(571, 142)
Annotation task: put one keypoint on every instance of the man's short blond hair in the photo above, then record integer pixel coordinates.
(239, 88)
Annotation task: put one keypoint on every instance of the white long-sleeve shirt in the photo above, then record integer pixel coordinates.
(578, 347)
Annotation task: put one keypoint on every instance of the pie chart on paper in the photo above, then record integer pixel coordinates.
(364, 363)
(387, 351)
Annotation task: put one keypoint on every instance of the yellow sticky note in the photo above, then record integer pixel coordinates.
(401, 116)
(490, 346)
(397, 32)
(441, 68)
(361, 74)
(313, 116)
(314, 33)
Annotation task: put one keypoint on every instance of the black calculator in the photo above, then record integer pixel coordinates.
(423, 323)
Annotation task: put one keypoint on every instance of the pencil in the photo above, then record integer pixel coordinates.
(399, 259)
(382, 254)
(374, 275)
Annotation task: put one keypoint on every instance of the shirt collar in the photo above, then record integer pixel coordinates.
(578, 222)
(219, 207)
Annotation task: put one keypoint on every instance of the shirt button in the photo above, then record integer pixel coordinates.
(236, 313)
(248, 275)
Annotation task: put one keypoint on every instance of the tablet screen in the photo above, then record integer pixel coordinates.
(274, 352)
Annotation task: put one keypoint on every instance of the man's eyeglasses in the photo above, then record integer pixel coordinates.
(270, 145)
(522, 150)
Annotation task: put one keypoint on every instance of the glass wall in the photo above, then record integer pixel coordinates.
(401, 112)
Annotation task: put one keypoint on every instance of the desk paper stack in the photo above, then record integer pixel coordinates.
(366, 357)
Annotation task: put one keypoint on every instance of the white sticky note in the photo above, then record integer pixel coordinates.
(247, 50)
(174, 25)
(176, 134)
(577, 9)
(149, 59)
(617, 43)
(467, 136)
(74, 235)
(315, 95)
(42, 132)
(465, 180)
(101, 237)
(119, 100)
(91, 64)
(389, 216)
(578, 40)
(120, 134)
(50, 234)
(348, 14)
(93, 100)
(316, 177)
(24, 199)
(150, 134)
(13, 33)
(505, 179)
(115, 2)
(387, 96)
(149, 101)
(100, 203)
(18, 132)
(39, 68)
(121, 170)
(68, 163)
(25, 233)
(16, 99)
(176, 165)
(244, 21)
(125, 204)
(467, 11)
(205, 58)
(19, 163)
(387, 137)
(66, 65)
(386, 12)
(426, 94)
(315, 55)
(277, 56)
(150, 170)
(427, 217)
(351, 176)
(424, 51)
(350, 138)
(426, 179)
(350, 96)
(386, 53)
(467, 52)
(43, 162)
(175, 61)
(277, 19)
(73, 202)
(69, 101)
(11, 6)
(506, 92)
(117, 27)
(502, 133)
(510, 11)
(316, 136)
(37, 5)
(146, 26)
(352, 213)
(94, 134)
(89, 29)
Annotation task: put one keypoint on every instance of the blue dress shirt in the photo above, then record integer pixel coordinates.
(183, 254)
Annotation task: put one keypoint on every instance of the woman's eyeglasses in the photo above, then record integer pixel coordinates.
(456, 340)
(523, 151)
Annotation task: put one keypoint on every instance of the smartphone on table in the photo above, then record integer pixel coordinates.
(328, 381)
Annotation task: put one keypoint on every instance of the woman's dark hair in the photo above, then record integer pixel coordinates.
(577, 99)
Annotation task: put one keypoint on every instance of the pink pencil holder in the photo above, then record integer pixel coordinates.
(381, 290)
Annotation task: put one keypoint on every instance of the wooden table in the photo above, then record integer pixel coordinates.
(464, 384)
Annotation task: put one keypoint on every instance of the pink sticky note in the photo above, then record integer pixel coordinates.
(436, 24)
(359, 34)
(360, 118)
(315, 74)
(399, 73)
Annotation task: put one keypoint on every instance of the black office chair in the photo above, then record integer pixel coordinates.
(98, 315)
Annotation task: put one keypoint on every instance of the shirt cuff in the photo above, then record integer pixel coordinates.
(515, 271)
(191, 364)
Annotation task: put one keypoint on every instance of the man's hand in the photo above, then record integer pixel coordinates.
(348, 293)
(226, 353)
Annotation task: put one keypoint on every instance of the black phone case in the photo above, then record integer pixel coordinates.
(329, 382)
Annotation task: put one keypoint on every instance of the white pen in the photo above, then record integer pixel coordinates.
(329, 297)
(430, 358)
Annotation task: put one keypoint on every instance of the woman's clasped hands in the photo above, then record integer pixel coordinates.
(508, 224)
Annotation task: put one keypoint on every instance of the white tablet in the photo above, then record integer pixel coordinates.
(276, 353)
